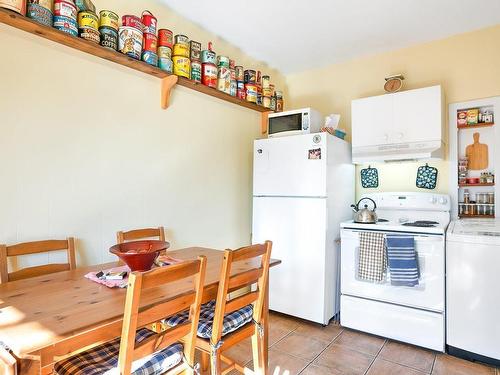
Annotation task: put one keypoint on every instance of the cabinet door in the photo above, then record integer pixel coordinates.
(372, 120)
(417, 115)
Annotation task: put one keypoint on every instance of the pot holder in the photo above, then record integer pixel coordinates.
(426, 177)
(369, 177)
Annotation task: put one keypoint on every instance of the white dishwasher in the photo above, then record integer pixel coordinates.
(473, 289)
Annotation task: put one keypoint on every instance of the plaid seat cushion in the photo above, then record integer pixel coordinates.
(232, 321)
(103, 359)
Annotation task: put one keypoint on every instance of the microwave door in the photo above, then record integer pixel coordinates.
(288, 123)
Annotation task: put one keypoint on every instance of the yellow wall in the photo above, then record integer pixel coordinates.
(87, 151)
(466, 65)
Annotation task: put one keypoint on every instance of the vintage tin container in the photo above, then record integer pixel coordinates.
(266, 81)
(88, 33)
(232, 64)
(149, 22)
(150, 57)
(150, 43)
(196, 71)
(109, 37)
(271, 87)
(83, 5)
(208, 57)
(132, 21)
(273, 103)
(130, 41)
(224, 79)
(66, 24)
(194, 51)
(249, 76)
(223, 61)
(267, 92)
(165, 64)
(165, 38)
(181, 50)
(233, 87)
(109, 19)
(279, 94)
(258, 79)
(209, 74)
(266, 102)
(251, 92)
(66, 9)
(39, 13)
(18, 6)
(88, 19)
(233, 73)
(240, 75)
(182, 66)
(240, 90)
(164, 52)
(181, 39)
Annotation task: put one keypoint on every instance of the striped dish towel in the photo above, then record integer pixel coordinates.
(403, 260)
(372, 256)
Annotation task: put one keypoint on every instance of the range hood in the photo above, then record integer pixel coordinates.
(407, 125)
(399, 152)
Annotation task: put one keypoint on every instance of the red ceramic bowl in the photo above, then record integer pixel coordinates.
(139, 255)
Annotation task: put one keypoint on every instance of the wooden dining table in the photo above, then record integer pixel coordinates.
(45, 318)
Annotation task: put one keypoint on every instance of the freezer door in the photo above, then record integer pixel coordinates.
(290, 166)
(297, 227)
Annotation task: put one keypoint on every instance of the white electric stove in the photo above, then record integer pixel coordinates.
(409, 314)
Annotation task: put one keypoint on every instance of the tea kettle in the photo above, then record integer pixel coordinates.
(364, 214)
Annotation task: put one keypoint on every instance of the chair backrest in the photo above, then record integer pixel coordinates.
(36, 247)
(189, 273)
(138, 234)
(257, 257)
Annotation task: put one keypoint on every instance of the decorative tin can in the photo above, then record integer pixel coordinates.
(165, 64)
(150, 57)
(209, 74)
(66, 24)
(181, 39)
(88, 33)
(88, 19)
(164, 52)
(249, 76)
(240, 76)
(232, 64)
(18, 6)
(271, 87)
(109, 37)
(223, 61)
(181, 50)
(240, 90)
(196, 71)
(182, 66)
(266, 102)
(66, 9)
(85, 5)
(224, 79)
(132, 21)
(195, 50)
(109, 19)
(165, 38)
(251, 92)
(266, 81)
(130, 41)
(208, 57)
(149, 22)
(233, 73)
(273, 103)
(258, 79)
(150, 43)
(279, 94)
(40, 13)
(267, 92)
(233, 87)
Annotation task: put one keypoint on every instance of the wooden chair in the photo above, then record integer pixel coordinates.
(36, 247)
(216, 333)
(145, 346)
(138, 234)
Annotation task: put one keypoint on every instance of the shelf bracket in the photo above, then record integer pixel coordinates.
(167, 84)
(263, 122)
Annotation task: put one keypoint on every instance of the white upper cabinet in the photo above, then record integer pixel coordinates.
(403, 125)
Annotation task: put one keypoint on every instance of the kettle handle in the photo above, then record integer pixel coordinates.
(366, 198)
(354, 207)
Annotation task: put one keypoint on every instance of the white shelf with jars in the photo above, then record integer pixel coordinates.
(474, 153)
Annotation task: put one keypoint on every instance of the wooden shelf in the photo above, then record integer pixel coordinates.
(476, 216)
(473, 185)
(480, 125)
(23, 23)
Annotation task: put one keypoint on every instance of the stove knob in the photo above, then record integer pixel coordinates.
(443, 200)
(432, 200)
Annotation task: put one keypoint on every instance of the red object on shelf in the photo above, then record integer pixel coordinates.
(473, 180)
(139, 255)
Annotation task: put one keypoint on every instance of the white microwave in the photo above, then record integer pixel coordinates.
(299, 121)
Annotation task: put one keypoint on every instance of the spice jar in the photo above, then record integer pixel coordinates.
(491, 198)
(466, 196)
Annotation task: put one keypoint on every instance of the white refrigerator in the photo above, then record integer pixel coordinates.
(303, 187)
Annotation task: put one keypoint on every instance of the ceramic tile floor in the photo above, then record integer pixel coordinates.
(299, 347)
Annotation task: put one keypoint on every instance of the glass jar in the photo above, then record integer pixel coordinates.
(491, 198)
(466, 209)
(466, 196)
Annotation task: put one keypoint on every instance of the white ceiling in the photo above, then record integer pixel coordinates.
(295, 35)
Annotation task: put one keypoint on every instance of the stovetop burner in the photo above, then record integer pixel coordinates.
(382, 221)
(422, 224)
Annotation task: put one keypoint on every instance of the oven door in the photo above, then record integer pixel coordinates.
(428, 294)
